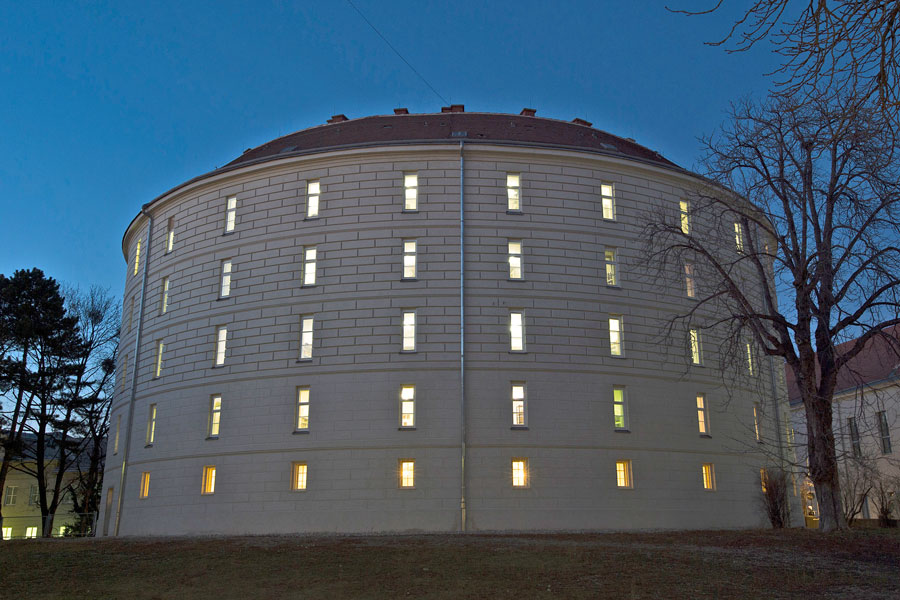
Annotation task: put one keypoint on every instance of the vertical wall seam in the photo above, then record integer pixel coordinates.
(462, 340)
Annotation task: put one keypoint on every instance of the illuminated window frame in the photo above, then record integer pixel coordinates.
(313, 191)
(160, 348)
(410, 259)
(616, 335)
(151, 425)
(515, 259)
(608, 201)
(310, 260)
(690, 282)
(708, 472)
(514, 192)
(520, 476)
(7, 534)
(620, 408)
(685, 221)
(517, 331)
(611, 261)
(221, 345)
(116, 439)
(624, 479)
(31, 533)
(702, 415)
(137, 256)
(756, 428)
(170, 234)
(215, 416)
(407, 406)
(225, 283)
(751, 364)
(306, 338)
(519, 397)
(208, 485)
(408, 331)
(738, 237)
(696, 346)
(164, 296)
(406, 473)
(410, 192)
(230, 213)
(145, 485)
(124, 373)
(302, 420)
(299, 475)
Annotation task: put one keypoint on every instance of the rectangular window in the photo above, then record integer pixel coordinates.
(610, 258)
(151, 425)
(689, 280)
(520, 472)
(306, 338)
(516, 331)
(409, 259)
(209, 480)
(620, 409)
(518, 405)
(685, 217)
(137, 257)
(751, 367)
(608, 201)
(225, 288)
(623, 474)
(738, 238)
(514, 248)
(854, 437)
(7, 533)
(696, 347)
(702, 415)
(756, 412)
(298, 476)
(709, 477)
(309, 265)
(409, 331)
(124, 371)
(408, 406)
(116, 439)
(303, 409)
(512, 192)
(164, 298)
(131, 315)
(170, 234)
(215, 415)
(33, 495)
(407, 473)
(411, 191)
(160, 346)
(221, 343)
(884, 432)
(230, 213)
(615, 335)
(9, 499)
(145, 484)
(312, 199)
(31, 533)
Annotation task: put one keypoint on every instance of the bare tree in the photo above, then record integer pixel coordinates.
(775, 496)
(884, 495)
(802, 203)
(858, 478)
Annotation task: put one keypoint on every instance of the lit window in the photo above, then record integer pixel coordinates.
(409, 331)
(302, 409)
(689, 280)
(854, 437)
(7, 533)
(31, 533)
(410, 191)
(230, 213)
(116, 439)
(137, 256)
(756, 421)
(33, 495)
(518, 404)
(209, 480)
(221, 343)
(763, 477)
(306, 338)
(124, 375)
(609, 257)
(885, 433)
(623, 474)
(131, 315)
(408, 406)
(512, 192)
(620, 410)
(520, 472)
(145, 484)
(309, 265)
(738, 238)
(160, 346)
(514, 247)
(696, 347)
(615, 335)
(151, 425)
(9, 499)
(298, 478)
(751, 368)
(312, 199)
(685, 217)
(407, 473)
(409, 259)
(164, 299)
(702, 415)
(608, 201)
(709, 477)
(225, 289)
(170, 234)
(516, 331)
(215, 415)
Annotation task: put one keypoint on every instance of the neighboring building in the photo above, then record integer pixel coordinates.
(293, 321)
(866, 422)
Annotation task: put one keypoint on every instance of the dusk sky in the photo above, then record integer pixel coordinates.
(106, 105)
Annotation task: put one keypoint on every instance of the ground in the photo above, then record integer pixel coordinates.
(697, 564)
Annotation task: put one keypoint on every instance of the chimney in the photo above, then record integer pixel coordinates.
(453, 108)
(528, 112)
(581, 122)
(401, 111)
(338, 119)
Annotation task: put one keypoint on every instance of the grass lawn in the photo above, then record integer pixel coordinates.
(706, 564)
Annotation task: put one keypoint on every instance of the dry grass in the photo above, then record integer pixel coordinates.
(710, 564)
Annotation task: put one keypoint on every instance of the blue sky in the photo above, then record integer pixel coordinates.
(106, 105)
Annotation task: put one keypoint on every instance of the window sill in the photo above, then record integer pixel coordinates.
(212, 437)
(401, 428)
(617, 356)
(514, 212)
(519, 427)
(228, 232)
(304, 360)
(148, 445)
(410, 211)
(515, 279)
(316, 218)
(408, 352)
(299, 490)
(628, 488)
(622, 430)
(614, 286)
(517, 352)
(405, 488)
(608, 220)
(222, 366)
(409, 279)
(307, 285)
(224, 298)
(300, 432)
(706, 435)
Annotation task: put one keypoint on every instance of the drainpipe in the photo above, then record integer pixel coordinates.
(462, 343)
(134, 366)
(778, 434)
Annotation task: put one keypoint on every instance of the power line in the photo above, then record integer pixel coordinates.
(397, 52)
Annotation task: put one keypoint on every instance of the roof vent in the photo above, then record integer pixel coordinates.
(401, 111)
(528, 112)
(247, 150)
(581, 122)
(338, 119)
(453, 108)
